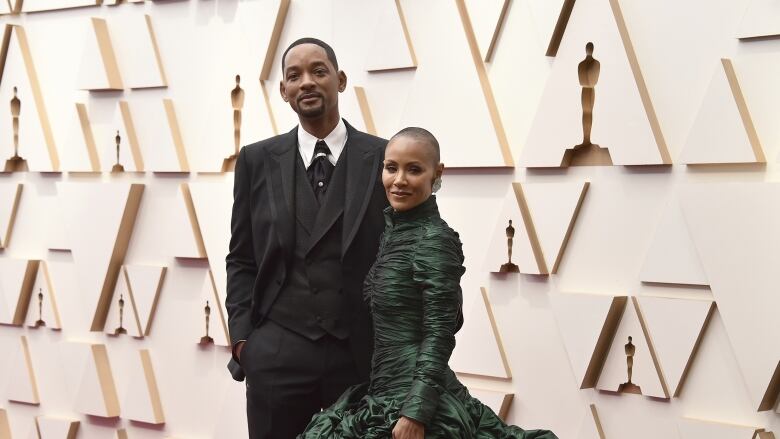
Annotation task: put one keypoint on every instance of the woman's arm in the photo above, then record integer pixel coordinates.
(437, 266)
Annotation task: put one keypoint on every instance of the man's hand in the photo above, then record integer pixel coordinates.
(239, 346)
(407, 428)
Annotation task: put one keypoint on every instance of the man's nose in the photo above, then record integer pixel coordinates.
(307, 81)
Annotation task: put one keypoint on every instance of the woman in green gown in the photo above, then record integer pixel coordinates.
(415, 297)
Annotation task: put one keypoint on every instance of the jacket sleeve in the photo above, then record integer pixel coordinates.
(438, 266)
(240, 260)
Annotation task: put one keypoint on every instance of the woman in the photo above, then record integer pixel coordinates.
(415, 296)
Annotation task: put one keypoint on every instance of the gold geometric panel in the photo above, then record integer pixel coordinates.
(84, 134)
(56, 428)
(139, 288)
(22, 386)
(5, 426)
(191, 247)
(487, 18)
(10, 195)
(96, 394)
(543, 216)
(479, 349)
(212, 202)
(137, 52)
(391, 47)
(18, 78)
(587, 323)
(17, 277)
(595, 108)
(48, 5)
(723, 131)
(428, 100)
(761, 20)
(743, 218)
(43, 310)
(160, 136)
(99, 220)
(637, 365)
(99, 67)
(273, 40)
(676, 327)
(142, 402)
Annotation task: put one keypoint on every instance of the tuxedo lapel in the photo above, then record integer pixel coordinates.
(361, 175)
(282, 187)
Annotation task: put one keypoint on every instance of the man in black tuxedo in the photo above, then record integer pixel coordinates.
(307, 216)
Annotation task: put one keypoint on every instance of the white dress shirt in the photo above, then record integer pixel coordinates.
(335, 141)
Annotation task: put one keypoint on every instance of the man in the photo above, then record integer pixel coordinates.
(307, 216)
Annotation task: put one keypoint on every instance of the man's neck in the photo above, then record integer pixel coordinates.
(322, 126)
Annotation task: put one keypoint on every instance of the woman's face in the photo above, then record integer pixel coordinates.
(410, 168)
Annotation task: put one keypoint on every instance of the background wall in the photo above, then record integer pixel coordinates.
(687, 104)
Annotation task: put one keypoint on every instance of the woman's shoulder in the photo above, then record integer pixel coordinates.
(436, 227)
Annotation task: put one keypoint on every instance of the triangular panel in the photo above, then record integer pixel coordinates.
(16, 284)
(672, 257)
(591, 425)
(676, 327)
(723, 131)
(487, 17)
(43, 310)
(522, 251)
(742, 218)
(35, 138)
(142, 402)
(121, 134)
(47, 5)
(587, 323)
(137, 52)
(56, 428)
(642, 363)
(99, 68)
(99, 220)
(145, 282)
(96, 394)
(122, 317)
(457, 132)
(22, 385)
(213, 202)
(761, 19)
(623, 118)
(391, 46)
(479, 350)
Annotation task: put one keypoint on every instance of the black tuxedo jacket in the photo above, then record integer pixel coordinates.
(263, 233)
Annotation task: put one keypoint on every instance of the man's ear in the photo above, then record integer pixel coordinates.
(342, 81)
(282, 91)
(439, 170)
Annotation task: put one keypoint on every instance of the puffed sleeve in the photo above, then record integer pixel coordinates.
(438, 267)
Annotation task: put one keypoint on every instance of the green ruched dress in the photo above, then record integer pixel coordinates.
(415, 296)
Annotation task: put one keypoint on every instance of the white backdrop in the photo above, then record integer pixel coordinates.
(702, 229)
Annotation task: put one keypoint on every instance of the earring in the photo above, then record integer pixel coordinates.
(437, 184)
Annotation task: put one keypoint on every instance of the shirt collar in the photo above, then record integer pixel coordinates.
(336, 141)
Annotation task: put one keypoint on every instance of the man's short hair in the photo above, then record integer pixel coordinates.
(420, 135)
(328, 50)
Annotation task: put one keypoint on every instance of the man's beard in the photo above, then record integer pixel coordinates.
(312, 112)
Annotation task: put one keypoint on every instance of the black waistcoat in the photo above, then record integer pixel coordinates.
(312, 301)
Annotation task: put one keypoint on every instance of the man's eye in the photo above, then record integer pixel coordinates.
(292, 77)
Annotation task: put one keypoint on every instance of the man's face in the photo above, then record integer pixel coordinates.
(311, 83)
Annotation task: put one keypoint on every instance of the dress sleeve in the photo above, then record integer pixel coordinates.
(437, 268)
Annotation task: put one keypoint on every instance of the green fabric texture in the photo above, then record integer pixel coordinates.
(416, 301)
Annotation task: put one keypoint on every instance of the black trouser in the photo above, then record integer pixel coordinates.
(289, 378)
